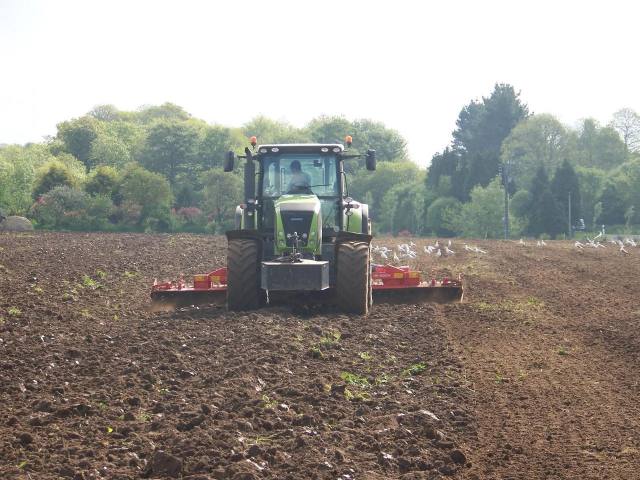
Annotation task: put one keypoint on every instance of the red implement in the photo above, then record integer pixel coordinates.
(389, 284)
(206, 289)
(402, 285)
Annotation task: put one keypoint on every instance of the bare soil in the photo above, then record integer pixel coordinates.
(533, 375)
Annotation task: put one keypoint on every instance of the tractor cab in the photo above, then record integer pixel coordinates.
(299, 176)
(295, 196)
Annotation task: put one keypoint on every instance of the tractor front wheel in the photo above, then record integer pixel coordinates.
(243, 275)
(353, 278)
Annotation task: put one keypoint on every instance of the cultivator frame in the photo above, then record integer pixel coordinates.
(389, 284)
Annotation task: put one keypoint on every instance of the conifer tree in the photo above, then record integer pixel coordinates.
(544, 214)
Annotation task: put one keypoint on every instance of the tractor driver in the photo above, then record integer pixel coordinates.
(300, 181)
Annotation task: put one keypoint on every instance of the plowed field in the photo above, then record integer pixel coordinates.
(534, 375)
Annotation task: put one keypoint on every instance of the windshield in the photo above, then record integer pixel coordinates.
(300, 173)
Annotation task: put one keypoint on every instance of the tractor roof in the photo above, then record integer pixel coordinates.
(300, 147)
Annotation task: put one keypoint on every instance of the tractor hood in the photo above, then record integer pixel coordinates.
(298, 214)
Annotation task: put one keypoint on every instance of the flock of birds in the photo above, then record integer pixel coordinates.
(594, 243)
(409, 251)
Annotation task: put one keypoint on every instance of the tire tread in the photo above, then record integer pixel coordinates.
(243, 275)
(353, 277)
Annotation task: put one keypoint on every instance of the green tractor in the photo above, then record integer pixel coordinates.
(298, 230)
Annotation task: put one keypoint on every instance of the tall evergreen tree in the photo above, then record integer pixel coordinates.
(450, 164)
(481, 128)
(613, 207)
(544, 214)
(565, 181)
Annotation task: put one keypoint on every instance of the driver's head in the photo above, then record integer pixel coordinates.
(295, 166)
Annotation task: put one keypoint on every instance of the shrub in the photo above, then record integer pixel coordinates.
(147, 194)
(72, 209)
(189, 219)
(102, 181)
(51, 175)
(436, 215)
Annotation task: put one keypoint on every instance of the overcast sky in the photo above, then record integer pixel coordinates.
(412, 65)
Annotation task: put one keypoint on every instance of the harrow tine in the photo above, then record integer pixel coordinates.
(172, 300)
(409, 295)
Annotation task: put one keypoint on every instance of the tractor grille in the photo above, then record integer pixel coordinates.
(299, 222)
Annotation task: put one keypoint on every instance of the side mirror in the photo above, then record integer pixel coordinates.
(228, 161)
(370, 159)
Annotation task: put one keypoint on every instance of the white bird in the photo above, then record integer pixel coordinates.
(542, 242)
(521, 242)
(384, 255)
(449, 251)
(427, 251)
(630, 241)
(478, 250)
(598, 244)
(597, 236)
(538, 244)
(431, 249)
(411, 244)
(468, 248)
(395, 257)
(622, 250)
(438, 253)
(449, 244)
(436, 244)
(578, 245)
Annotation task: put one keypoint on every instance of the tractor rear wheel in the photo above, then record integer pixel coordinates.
(353, 283)
(243, 275)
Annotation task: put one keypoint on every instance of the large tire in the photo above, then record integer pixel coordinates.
(243, 275)
(353, 289)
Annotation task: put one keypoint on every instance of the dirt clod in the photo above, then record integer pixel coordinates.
(458, 457)
(25, 438)
(165, 464)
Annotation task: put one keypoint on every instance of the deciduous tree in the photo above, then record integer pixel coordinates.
(627, 123)
(77, 137)
(222, 193)
(538, 140)
(171, 148)
(600, 147)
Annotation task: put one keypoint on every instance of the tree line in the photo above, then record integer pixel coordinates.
(160, 169)
(545, 167)
(155, 169)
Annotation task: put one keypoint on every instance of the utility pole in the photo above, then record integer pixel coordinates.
(570, 226)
